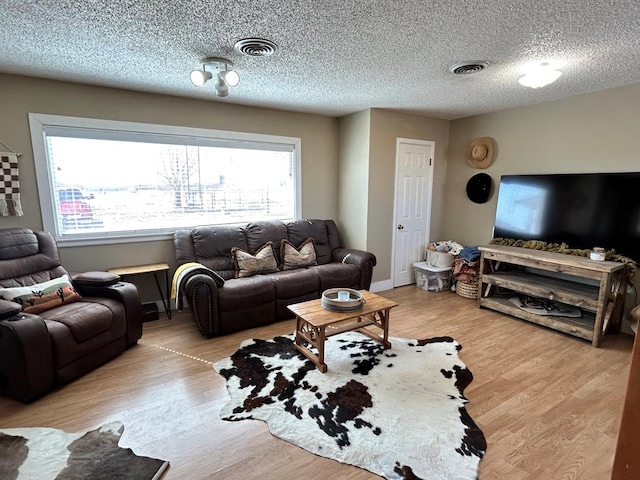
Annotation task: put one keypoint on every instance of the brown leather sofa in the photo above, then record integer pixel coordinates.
(261, 299)
(43, 350)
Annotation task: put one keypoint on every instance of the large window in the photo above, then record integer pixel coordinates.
(102, 181)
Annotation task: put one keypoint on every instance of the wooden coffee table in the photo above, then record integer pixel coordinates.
(314, 324)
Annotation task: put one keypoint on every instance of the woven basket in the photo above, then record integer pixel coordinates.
(468, 289)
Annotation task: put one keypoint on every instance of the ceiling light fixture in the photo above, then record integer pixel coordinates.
(226, 76)
(540, 76)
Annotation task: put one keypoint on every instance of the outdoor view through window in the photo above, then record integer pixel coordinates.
(130, 186)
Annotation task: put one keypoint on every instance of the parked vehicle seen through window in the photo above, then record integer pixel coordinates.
(67, 194)
(75, 209)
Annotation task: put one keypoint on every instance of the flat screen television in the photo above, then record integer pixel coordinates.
(583, 210)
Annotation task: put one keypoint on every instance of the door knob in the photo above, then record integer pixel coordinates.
(400, 227)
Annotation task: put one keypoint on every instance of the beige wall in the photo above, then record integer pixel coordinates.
(353, 178)
(21, 95)
(587, 133)
(596, 132)
(386, 127)
(590, 133)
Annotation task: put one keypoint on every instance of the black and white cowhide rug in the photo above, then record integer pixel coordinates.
(399, 413)
(48, 453)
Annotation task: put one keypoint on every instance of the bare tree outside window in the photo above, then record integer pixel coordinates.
(177, 169)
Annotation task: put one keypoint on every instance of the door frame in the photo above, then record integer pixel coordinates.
(402, 141)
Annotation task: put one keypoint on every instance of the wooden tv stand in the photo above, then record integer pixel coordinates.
(596, 288)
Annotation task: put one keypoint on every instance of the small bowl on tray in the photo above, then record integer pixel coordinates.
(342, 299)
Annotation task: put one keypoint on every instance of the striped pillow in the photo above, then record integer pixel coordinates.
(303, 256)
(246, 265)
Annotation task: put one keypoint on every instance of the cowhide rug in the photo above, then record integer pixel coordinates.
(399, 413)
(49, 453)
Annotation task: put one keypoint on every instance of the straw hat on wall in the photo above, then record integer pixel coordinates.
(480, 152)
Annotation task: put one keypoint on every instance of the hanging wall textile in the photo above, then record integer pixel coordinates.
(9, 186)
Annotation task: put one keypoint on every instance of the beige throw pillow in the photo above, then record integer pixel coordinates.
(303, 256)
(264, 261)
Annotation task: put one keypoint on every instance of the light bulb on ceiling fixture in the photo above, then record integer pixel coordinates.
(540, 76)
(230, 77)
(200, 77)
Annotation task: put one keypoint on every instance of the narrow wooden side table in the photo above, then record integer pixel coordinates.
(153, 268)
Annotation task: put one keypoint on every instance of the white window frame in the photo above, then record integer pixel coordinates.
(41, 124)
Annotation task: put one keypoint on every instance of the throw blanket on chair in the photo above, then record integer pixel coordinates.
(183, 273)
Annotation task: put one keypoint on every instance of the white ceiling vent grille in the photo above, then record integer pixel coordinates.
(468, 67)
(256, 47)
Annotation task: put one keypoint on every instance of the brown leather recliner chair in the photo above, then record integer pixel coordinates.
(74, 334)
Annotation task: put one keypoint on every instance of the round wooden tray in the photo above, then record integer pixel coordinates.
(330, 300)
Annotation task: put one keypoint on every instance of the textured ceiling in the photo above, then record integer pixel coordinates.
(335, 57)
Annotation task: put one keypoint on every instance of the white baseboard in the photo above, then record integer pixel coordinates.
(381, 286)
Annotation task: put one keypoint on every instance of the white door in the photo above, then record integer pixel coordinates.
(414, 182)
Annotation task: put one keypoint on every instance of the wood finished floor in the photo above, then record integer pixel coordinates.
(548, 403)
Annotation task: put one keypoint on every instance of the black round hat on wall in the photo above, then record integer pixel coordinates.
(479, 187)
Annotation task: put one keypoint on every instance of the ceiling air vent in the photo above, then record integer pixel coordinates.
(468, 67)
(256, 47)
